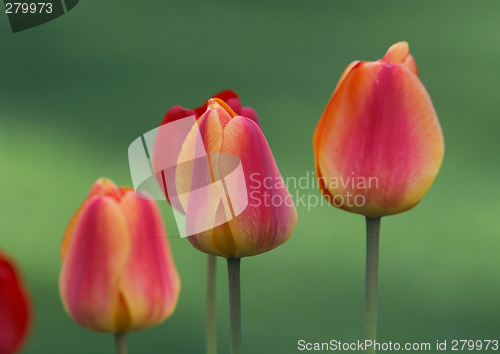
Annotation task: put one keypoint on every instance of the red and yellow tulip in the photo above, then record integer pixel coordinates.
(270, 217)
(379, 137)
(117, 270)
(15, 314)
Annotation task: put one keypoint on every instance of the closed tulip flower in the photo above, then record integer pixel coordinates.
(266, 219)
(161, 153)
(378, 148)
(117, 270)
(15, 315)
(270, 216)
(379, 138)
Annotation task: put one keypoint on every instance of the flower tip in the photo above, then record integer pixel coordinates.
(217, 103)
(397, 53)
(105, 182)
(105, 187)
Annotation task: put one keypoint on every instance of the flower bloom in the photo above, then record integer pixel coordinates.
(270, 215)
(117, 270)
(379, 138)
(15, 315)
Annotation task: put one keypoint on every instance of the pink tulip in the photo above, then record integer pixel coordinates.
(378, 145)
(117, 270)
(270, 216)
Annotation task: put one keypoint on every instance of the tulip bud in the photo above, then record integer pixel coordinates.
(378, 141)
(15, 313)
(117, 270)
(270, 216)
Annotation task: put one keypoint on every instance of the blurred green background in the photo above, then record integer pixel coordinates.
(75, 92)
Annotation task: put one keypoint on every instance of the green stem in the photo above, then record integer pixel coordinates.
(233, 269)
(121, 343)
(211, 337)
(372, 251)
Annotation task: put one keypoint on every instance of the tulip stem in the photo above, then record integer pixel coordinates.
(211, 337)
(233, 269)
(121, 343)
(371, 289)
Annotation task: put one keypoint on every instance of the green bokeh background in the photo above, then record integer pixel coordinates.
(75, 92)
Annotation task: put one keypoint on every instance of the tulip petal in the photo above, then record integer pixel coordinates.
(191, 170)
(177, 112)
(149, 282)
(411, 64)
(69, 231)
(399, 53)
(102, 187)
(14, 308)
(251, 114)
(319, 128)
(96, 254)
(199, 173)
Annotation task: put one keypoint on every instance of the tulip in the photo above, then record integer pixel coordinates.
(117, 270)
(268, 219)
(177, 112)
(15, 315)
(378, 145)
(270, 216)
